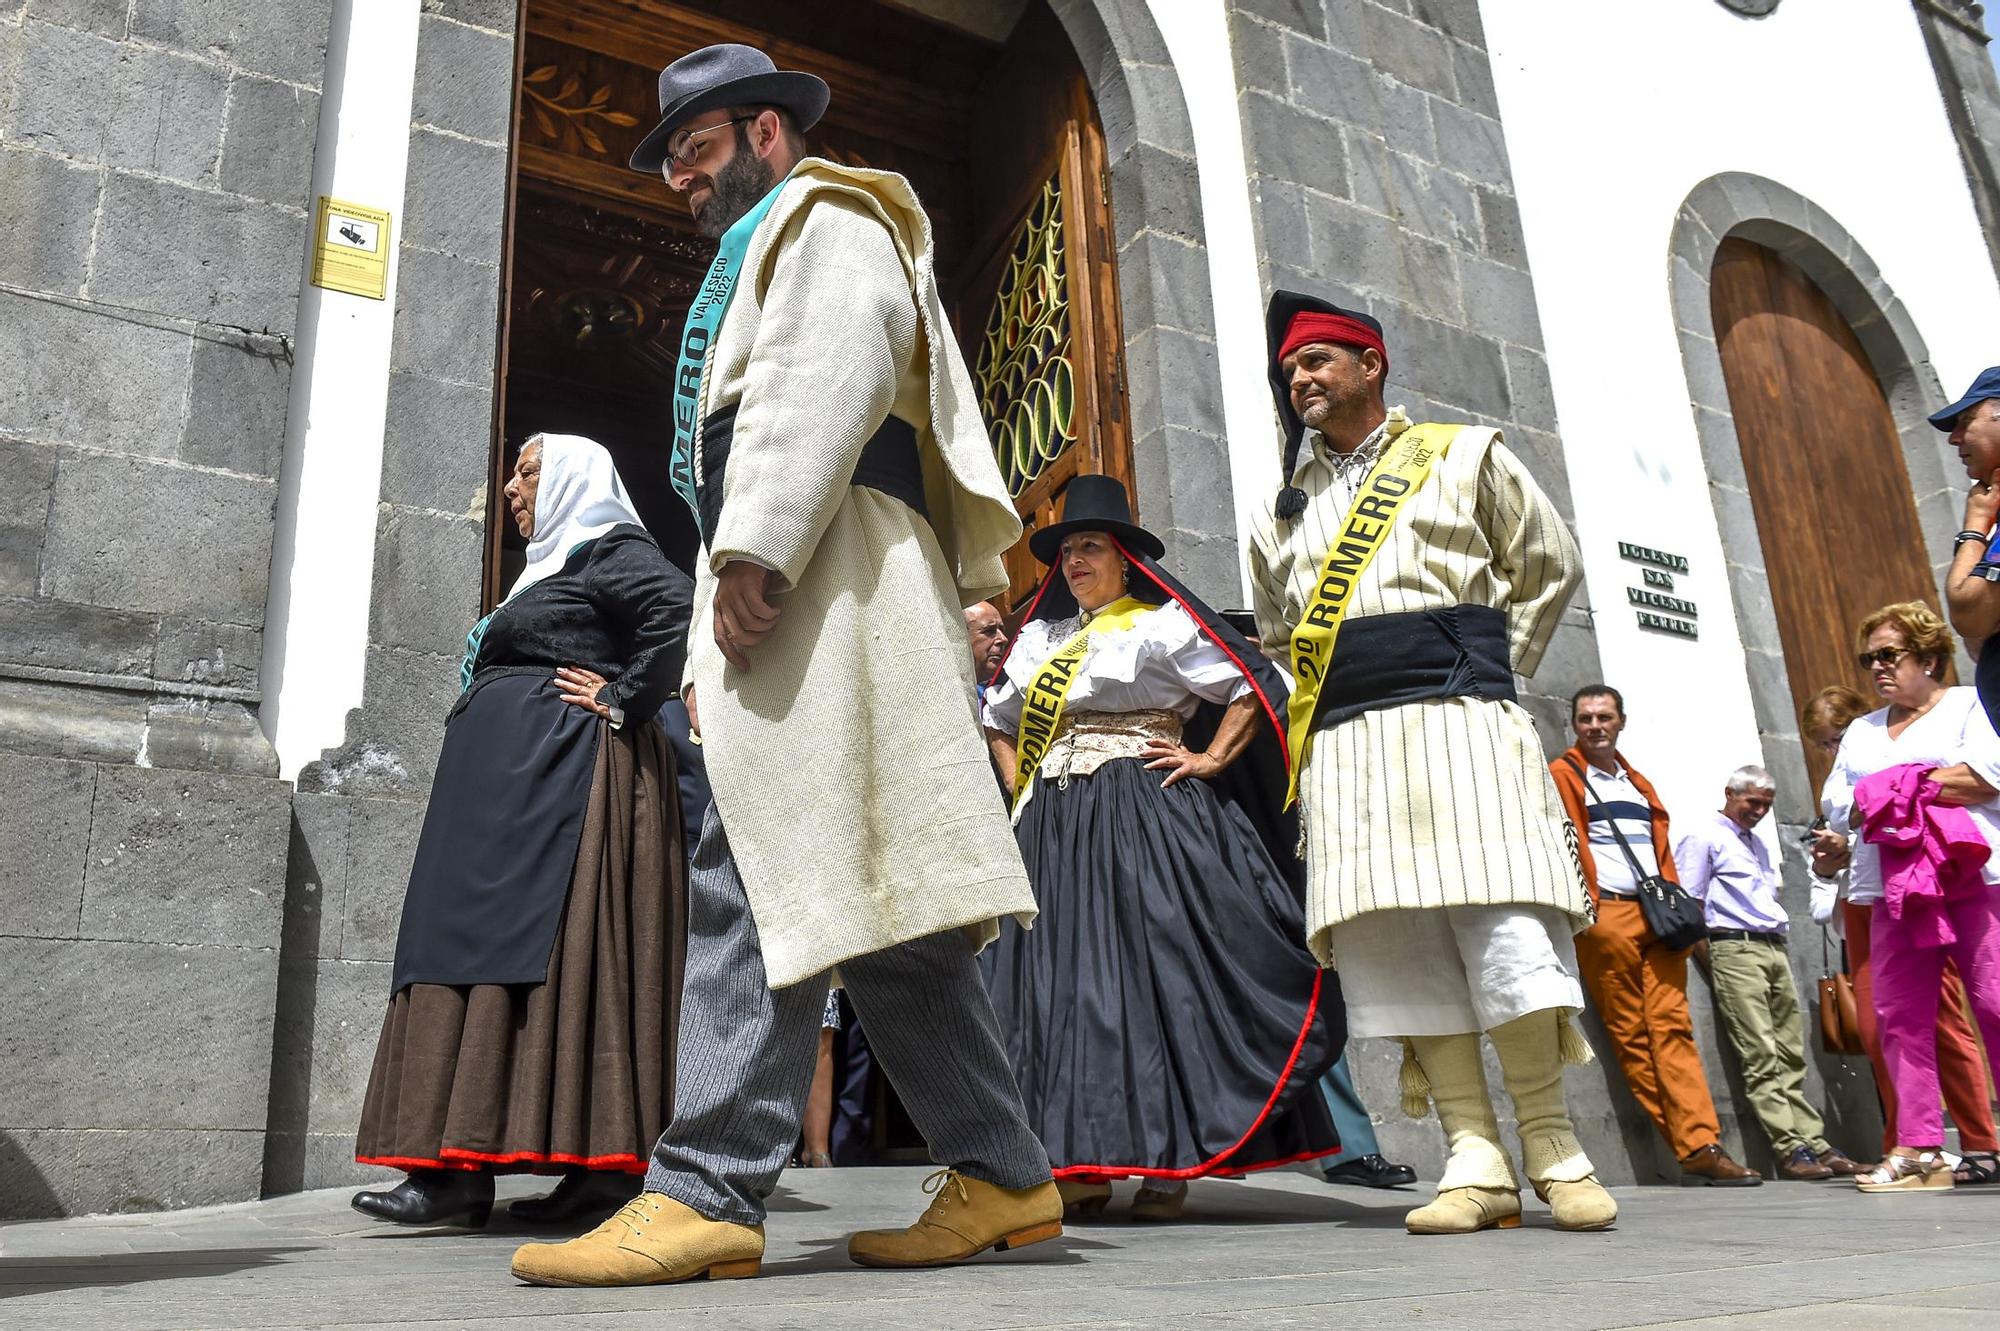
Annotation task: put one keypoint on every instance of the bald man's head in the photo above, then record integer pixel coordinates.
(987, 632)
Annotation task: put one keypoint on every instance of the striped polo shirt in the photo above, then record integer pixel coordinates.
(1616, 802)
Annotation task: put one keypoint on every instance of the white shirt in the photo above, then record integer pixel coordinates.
(1163, 662)
(1954, 730)
(1614, 799)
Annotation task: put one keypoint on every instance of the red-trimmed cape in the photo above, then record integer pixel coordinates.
(1256, 783)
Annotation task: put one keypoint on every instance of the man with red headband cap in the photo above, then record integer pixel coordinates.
(1407, 572)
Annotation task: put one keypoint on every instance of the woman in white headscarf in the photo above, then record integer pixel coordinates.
(535, 995)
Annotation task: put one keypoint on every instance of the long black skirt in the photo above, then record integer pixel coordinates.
(1163, 1017)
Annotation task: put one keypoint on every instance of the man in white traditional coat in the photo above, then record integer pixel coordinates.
(1440, 883)
(829, 438)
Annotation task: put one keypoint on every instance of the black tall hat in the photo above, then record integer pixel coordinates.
(1095, 503)
(1278, 316)
(727, 74)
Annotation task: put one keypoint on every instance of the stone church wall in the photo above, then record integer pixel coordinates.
(155, 158)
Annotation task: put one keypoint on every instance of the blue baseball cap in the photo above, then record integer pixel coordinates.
(1985, 386)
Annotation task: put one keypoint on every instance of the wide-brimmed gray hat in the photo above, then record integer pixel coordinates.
(728, 74)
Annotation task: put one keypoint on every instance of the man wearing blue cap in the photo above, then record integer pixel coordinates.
(1972, 588)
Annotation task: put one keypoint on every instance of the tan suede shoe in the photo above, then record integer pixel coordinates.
(652, 1240)
(1467, 1211)
(965, 1218)
(1582, 1205)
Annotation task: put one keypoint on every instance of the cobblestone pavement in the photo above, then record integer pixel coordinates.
(1282, 1250)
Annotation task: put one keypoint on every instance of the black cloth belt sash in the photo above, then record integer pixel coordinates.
(487, 676)
(1745, 936)
(1382, 661)
(888, 463)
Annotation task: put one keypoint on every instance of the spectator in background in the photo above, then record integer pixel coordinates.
(1943, 731)
(986, 632)
(1359, 1160)
(1973, 601)
(1731, 872)
(1638, 983)
(1962, 1070)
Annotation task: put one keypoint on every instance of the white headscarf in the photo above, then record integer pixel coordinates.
(579, 499)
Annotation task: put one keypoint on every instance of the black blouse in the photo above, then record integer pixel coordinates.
(618, 607)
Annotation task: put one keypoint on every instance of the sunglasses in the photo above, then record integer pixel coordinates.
(1883, 656)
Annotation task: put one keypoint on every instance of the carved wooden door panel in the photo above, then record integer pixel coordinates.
(1039, 320)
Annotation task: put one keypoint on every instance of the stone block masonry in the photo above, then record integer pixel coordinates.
(155, 171)
(1379, 179)
(138, 964)
(155, 163)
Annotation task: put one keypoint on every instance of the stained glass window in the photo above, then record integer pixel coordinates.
(1027, 386)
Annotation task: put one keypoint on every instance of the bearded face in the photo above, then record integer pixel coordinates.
(732, 191)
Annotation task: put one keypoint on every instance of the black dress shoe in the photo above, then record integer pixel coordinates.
(1371, 1171)
(581, 1192)
(433, 1197)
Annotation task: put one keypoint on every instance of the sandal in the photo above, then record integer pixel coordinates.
(1976, 1167)
(1926, 1171)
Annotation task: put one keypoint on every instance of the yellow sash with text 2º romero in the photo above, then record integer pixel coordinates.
(1396, 475)
(1042, 707)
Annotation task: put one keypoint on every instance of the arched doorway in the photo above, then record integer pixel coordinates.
(996, 128)
(1823, 462)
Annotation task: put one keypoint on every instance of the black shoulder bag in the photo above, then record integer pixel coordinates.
(1676, 919)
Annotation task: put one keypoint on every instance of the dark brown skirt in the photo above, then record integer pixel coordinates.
(576, 1071)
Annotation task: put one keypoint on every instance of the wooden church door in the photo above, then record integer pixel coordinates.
(1824, 464)
(1037, 311)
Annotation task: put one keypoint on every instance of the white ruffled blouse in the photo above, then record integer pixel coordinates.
(1163, 662)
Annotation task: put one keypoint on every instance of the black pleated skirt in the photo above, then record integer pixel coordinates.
(1163, 1016)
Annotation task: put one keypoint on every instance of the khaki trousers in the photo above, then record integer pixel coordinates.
(1759, 1001)
(1640, 989)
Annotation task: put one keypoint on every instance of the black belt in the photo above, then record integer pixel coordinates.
(889, 463)
(1745, 936)
(1388, 660)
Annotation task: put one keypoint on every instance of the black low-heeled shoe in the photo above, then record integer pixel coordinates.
(581, 1192)
(1371, 1171)
(433, 1197)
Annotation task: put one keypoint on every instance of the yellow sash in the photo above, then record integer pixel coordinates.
(1396, 475)
(1042, 708)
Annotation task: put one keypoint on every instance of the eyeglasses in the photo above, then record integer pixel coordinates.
(687, 152)
(1884, 657)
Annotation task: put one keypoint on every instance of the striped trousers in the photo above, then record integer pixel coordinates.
(746, 1054)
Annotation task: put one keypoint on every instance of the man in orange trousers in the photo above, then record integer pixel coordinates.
(1637, 983)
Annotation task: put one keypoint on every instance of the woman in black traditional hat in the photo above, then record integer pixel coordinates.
(1164, 1018)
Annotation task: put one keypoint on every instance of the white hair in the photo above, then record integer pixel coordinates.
(1750, 777)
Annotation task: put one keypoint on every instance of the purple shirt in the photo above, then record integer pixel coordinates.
(1729, 871)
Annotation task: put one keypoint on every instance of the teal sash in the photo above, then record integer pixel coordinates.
(711, 302)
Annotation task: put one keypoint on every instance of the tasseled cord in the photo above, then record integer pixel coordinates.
(1570, 1042)
(1416, 1084)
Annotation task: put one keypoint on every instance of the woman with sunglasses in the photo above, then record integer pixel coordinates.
(1904, 648)
(1966, 1084)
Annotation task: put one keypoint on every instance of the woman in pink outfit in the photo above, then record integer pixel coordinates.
(1904, 648)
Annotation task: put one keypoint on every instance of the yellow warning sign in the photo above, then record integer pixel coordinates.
(351, 249)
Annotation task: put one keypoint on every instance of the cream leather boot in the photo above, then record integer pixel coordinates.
(1531, 1061)
(1478, 1190)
